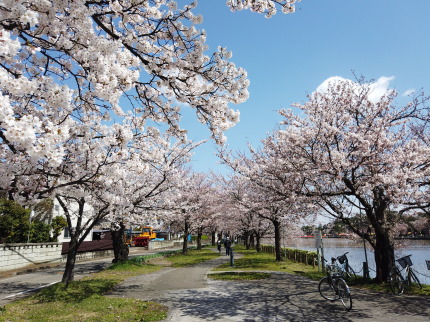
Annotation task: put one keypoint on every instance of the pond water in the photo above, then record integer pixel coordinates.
(334, 247)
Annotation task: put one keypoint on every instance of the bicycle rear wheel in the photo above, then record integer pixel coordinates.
(344, 294)
(414, 279)
(327, 290)
(396, 283)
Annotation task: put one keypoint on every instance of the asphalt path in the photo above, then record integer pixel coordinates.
(192, 296)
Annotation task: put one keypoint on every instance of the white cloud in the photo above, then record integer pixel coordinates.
(377, 89)
(409, 92)
(324, 85)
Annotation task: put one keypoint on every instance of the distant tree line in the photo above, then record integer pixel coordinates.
(416, 225)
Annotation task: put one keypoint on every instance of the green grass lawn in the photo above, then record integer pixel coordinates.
(251, 260)
(239, 276)
(192, 257)
(83, 300)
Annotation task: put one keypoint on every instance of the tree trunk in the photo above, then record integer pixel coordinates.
(77, 234)
(384, 253)
(251, 239)
(120, 249)
(246, 239)
(257, 242)
(69, 274)
(199, 240)
(185, 243)
(277, 226)
(213, 238)
(384, 243)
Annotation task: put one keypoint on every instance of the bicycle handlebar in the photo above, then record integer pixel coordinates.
(403, 257)
(333, 259)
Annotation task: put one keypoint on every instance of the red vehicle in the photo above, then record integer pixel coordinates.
(141, 241)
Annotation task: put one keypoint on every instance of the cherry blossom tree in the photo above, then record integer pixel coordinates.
(67, 66)
(81, 84)
(64, 62)
(269, 191)
(153, 188)
(107, 182)
(194, 205)
(109, 173)
(148, 181)
(355, 151)
(280, 211)
(210, 218)
(240, 214)
(415, 225)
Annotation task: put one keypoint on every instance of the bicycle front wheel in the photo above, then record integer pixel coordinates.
(327, 290)
(344, 294)
(396, 283)
(414, 279)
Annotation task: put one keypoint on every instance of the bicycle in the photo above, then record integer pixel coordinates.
(398, 281)
(348, 272)
(333, 287)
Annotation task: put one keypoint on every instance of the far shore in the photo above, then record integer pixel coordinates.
(297, 242)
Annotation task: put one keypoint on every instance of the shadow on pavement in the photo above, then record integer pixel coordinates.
(282, 297)
(287, 297)
(275, 299)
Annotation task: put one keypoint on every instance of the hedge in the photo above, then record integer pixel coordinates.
(298, 255)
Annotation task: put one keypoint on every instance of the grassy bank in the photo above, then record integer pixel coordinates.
(193, 257)
(239, 276)
(253, 261)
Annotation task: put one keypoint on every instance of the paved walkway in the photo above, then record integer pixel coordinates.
(191, 296)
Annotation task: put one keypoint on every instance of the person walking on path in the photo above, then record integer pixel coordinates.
(227, 245)
(218, 245)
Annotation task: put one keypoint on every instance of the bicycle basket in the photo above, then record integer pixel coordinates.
(342, 259)
(405, 261)
(334, 270)
(428, 264)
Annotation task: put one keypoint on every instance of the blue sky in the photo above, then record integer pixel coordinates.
(289, 56)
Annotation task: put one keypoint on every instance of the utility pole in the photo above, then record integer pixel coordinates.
(320, 249)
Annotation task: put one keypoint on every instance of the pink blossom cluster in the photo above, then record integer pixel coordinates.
(82, 85)
(269, 7)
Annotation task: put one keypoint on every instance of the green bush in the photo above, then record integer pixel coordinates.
(298, 255)
(16, 226)
(14, 223)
